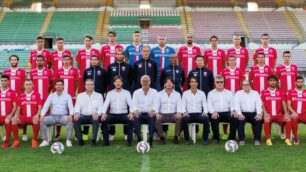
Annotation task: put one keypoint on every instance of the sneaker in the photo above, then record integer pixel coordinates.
(155, 136)
(282, 136)
(57, 137)
(24, 138)
(34, 144)
(268, 142)
(187, 142)
(204, 142)
(175, 140)
(15, 144)
(296, 141)
(162, 140)
(225, 137)
(5, 145)
(81, 143)
(44, 143)
(85, 136)
(111, 137)
(105, 144)
(256, 143)
(68, 143)
(241, 142)
(215, 141)
(288, 142)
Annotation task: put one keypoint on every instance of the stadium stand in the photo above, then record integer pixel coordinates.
(126, 3)
(79, 3)
(173, 33)
(163, 3)
(301, 16)
(210, 3)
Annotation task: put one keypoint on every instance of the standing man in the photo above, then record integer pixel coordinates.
(108, 51)
(83, 60)
(161, 55)
(145, 107)
(39, 51)
(186, 56)
(88, 111)
(204, 75)
(275, 110)
(133, 51)
(8, 105)
(57, 56)
(259, 73)
(214, 57)
(270, 52)
(145, 66)
(61, 111)
(120, 106)
(168, 109)
(195, 110)
(175, 72)
(248, 106)
(221, 109)
(296, 100)
(28, 111)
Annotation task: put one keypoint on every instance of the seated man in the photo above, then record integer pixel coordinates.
(121, 111)
(221, 109)
(61, 111)
(194, 107)
(87, 111)
(168, 109)
(28, 110)
(144, 107)
(248, 106)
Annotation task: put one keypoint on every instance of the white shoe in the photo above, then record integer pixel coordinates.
(111, 137)
(125, 137)
(3, 138)
(155, 136)
(24, 138)
(282, 136)
(68, 143)
(44, 143)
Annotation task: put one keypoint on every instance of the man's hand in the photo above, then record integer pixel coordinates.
(214, 115)
(204, 114)
(42, 119)
(130, 116)
(36, 118)
(95, 117)
(137, 113)
(241, 117)
(234, 114)
(294, 115)
(103, 117)
(76, 117)
(258, 117)
(151, 113)
(185, 114)
(178, 116)
(158, 116)
(287, 117)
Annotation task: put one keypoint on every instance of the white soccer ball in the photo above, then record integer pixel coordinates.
(57, 148)
(231, 146)
(143, 147)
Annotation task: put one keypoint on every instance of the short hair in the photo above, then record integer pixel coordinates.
(173, 55)
(118, 77)
(89, 79)
(146, 46)
(231, 56)
(67, 55)
(88, 36)
(112, 32)
(39, 37)
(261, 53)
(144, 77)
(212, 37)
(60, 39)
(94, 55)
(265, 34)
(120, 50)
(136, 31)
(299, 77)
(40, 56)
(237, 34)
(199, 56)
(59, 80)
(286, 52)
(169, 79)
(219, 77)
(5, 77)
(246, 80)
(13, 56)
(272, 77)
(193, 77)
(28, 79)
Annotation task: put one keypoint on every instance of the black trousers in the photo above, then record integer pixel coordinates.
(144, 118)
(117, 119)
(86, 120)
(196, 118)
(256, 125)
(223, 117)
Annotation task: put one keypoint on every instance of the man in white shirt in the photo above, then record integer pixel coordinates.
(168, 109)
(248, 106)
(61, 111)
(194, 107)
(221, 109)
(120, 106)
(145, 107)
(87, 110)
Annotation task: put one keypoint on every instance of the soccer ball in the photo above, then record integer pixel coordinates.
(57, 148)
(143, 147)
(231, 146)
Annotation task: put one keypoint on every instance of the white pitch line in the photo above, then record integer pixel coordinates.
(145, 163)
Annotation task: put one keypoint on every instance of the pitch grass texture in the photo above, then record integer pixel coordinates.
(161, 158)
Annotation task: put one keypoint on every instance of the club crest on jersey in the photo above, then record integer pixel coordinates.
(205, 74)
(98, 72)
(123, 68)
(140, 66)
(114, 69)
(88, 73)
(195, 74)
(45, 72)
(149, 64)
(194, 51)
(177, 71)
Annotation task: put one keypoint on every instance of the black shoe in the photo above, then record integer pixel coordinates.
(129, 144)
(139, 139)
(215, 141)
(81, 143)
(186, 142)
(94, 143)
(105, 144)
(204, 142)
(175, 140)
(151, 141)
(162, 140)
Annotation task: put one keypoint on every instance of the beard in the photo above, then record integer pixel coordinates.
(14, 65)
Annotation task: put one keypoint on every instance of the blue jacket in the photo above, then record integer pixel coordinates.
(98, 74)
(131, 53)
(176, 73)
(145, 67)
(122, 69)
(156, 55)
(205, 79)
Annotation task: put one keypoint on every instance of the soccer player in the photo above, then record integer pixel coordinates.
(161, 55)
(241, 54)
(175, 72)
(214, 57)
(194, 108)
(8, 107)
(133, 51)
(42, 78)
(270, 52)
(83, 60)
(286, 72)
(108, 51)
(296, 100)
(28, 111)
(39, 51)
(204, 75)
(275, 109)
(186, 56)
(57, 56)
(145, 66)
(259, 73)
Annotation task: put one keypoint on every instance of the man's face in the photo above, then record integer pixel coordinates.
(94, 61)
(287, 57)
(161, 41)
(169, 84)
(111, 37)
(136, 37)
(193, 83)
(236, 40)
(265, 40)
(28, 86)
(189, 39)
(120, 56)
(173, 59)
(145, 52)
(67, 61)
(87, 42)
(246, 86)
(40, 43)
(118, 83)
(145, 82)
(14, 61)
(214, 42)
(89, 85)
(200, 62)
(272, 83)
(60, 44)
(40, 62)
(59, 86)
(4, 82)
(219, 83)
(300, 83)
(261, 58)
(231, 61)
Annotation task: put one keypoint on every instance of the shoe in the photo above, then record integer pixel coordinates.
(5, 145)
(94, 143)
(225, 137)
(155, 136)
(268, 142)
(186, 142)
(34, 144)
(288, 142)
(241, 142)
(151, 141)
(24, 138)
(204, 142)
(81, 143)
(15, 144)
(85, 137)
(125, 137)
(44, 143)
(57, 137)
(68, 143)
(256, 143)
(215, 141)
(175, 140)
(105, 144)
(111, 137)
(296, 141)
(129, 144)
(139, 139)
(162, 140)
(282, 136)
